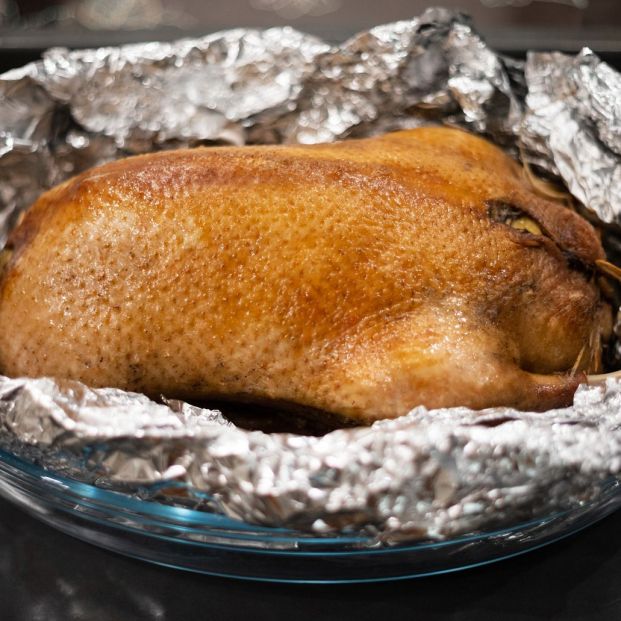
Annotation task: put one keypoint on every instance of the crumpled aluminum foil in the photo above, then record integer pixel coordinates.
(428, 474)
(572, 126)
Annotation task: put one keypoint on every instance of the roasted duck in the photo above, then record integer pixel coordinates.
(353, 280)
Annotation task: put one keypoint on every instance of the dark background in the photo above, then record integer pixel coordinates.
(28, 26)
(48, 576)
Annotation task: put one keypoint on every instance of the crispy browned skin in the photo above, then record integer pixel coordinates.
(362, 278)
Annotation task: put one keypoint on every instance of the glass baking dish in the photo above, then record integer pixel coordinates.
(214, 544)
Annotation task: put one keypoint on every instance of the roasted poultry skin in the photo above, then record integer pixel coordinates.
(357, 279)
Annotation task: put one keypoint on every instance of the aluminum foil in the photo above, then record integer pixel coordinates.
(572, 126)
(427, 474)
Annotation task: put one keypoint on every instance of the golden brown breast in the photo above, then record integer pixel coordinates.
(361, 278)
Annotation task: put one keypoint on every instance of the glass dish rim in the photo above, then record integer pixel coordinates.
(182, 516)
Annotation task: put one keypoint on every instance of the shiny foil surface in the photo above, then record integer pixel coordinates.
(428, 474)
(573, 124)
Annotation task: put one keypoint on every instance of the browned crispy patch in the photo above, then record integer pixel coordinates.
(577, 250)
(557, 394)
